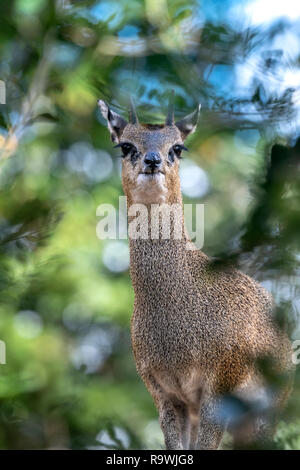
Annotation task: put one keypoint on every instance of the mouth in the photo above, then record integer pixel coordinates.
(152, 173)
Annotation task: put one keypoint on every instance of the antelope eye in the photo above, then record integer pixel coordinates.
(177, 150)
(126, 148)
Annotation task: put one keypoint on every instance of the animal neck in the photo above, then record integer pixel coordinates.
(158, 257)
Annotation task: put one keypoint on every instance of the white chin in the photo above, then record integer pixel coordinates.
(150, 189)
(145, 178)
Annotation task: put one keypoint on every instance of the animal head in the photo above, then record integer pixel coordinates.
(151, 153)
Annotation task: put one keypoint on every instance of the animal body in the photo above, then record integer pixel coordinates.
(197, 332)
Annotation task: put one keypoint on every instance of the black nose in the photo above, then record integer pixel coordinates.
(152, 160)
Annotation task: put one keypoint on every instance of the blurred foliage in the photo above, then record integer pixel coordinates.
(66, 297)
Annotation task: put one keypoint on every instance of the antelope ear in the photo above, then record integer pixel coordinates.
(115, 122)
(188, 124)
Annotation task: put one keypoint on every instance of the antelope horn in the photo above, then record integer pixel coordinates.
(133, 119)
(170, 114)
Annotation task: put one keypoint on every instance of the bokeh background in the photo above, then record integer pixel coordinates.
(65, 303)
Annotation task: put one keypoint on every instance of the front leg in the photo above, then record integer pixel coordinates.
(211, 428)
(173, 417)
(170, 423)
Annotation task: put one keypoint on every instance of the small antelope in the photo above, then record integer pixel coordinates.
(197, 332)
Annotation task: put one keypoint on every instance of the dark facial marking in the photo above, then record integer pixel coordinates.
(176, 151)
(129, 149)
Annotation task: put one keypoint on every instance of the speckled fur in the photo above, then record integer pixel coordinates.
(196, 332)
